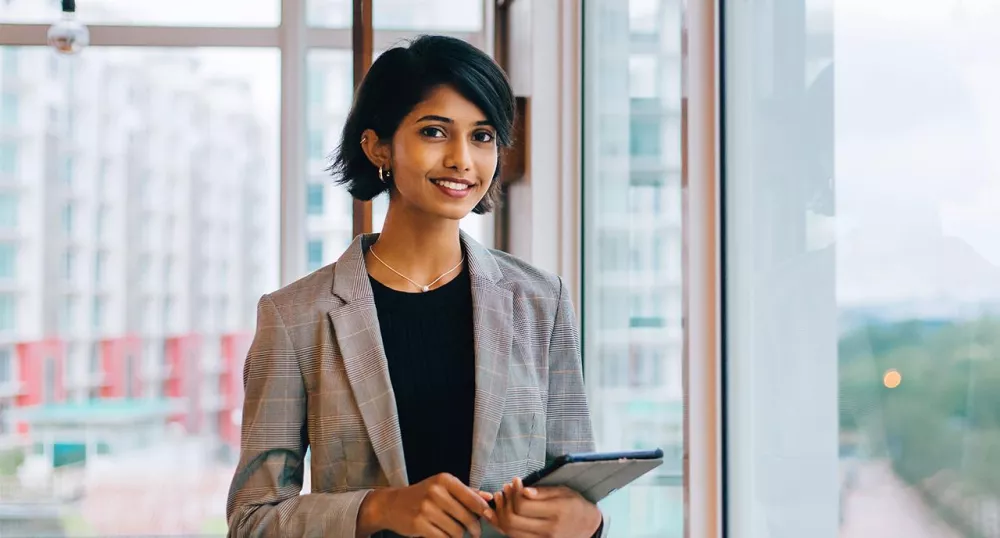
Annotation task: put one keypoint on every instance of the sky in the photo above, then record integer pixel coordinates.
(917, 125)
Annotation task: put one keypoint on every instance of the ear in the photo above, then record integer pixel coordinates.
(375, 149)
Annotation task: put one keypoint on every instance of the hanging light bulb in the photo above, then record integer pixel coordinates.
(68, 36)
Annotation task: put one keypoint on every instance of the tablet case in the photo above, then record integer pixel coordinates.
(595, 476)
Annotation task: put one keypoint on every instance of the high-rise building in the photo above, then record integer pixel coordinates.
(131, 258)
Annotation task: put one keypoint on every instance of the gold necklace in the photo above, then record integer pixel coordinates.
(422, 288)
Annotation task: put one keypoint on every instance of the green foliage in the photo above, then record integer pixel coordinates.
(945, 415)
(10, 460)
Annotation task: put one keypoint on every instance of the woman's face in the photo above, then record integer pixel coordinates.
(444, 155)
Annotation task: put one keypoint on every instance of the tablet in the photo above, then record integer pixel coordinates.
(595, 475)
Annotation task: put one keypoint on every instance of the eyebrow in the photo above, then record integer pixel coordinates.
(442, 119)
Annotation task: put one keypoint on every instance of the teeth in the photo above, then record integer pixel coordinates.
(452, 185)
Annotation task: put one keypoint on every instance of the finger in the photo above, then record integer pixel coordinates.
(547, 509)
(518, 525)
(511, 494)
(458, 512)
(465, 495)
(542, 494)
(429, 530)
(443, 521)
(487, 496)
(518, 494)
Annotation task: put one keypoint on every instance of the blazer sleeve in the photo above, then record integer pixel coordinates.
(264, 498)
(568, 425)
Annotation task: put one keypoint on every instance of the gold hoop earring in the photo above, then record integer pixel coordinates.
(381, 175)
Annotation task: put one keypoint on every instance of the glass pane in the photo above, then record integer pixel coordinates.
(125, 422)
(420, 15)
(632, 237)
(329, 223)
(149, 12)
(863, 288)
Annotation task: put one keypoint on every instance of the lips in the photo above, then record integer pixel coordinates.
(453, 187)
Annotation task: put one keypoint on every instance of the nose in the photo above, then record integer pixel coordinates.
(459, 157)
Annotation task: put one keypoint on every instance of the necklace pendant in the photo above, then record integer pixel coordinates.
(425, 289)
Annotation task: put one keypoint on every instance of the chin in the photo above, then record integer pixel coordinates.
(452, 213)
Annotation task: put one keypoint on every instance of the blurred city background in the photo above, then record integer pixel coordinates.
(141, 218)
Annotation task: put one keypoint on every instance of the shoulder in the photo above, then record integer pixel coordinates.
(307, 294)
(522, 278)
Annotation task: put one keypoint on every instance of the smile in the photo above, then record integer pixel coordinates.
(453, 189)
(452, 185)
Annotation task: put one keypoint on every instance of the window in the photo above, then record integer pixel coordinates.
(8, 211)
(67, 219)
(8, 158)
(7, 306)
(67, 170)
(69, 260)
(8, 260)
(317, 88)
(645, 134)
(97, 313)
(94, 366)
(861, 269)
(10, 62)
(49, 381)
(315, 254)
(9, 111)
(314, 201)
(631, 347)
(100, 223)
(317, 149)
(331, 90)
(168, 314)
(6, 366)
(99, 264)
(414, 15)
(181, 13)
(68, 321)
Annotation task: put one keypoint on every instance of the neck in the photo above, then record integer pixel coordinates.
(420, 246)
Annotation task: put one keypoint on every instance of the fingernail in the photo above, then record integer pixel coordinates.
(531, 491)
(488, 514)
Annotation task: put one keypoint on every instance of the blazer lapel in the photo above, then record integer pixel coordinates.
(492, 316)
(356, 329)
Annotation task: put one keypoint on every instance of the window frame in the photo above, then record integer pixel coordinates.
(703, 376)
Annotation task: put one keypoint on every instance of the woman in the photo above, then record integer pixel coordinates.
(423, 370)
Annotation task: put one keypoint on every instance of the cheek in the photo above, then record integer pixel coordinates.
(487, 162)
(413, 161)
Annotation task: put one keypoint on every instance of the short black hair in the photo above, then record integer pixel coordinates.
(400, 79)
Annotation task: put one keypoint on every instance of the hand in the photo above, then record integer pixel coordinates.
(545, 512)
(439, 507)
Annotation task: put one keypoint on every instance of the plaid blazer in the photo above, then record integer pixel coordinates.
(316, 376)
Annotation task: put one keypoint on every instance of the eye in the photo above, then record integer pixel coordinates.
(432, 132)
(483, 136)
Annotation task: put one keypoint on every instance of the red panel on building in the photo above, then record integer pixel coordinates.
(234, 352)
(122, 365)
(42, 368)
(183, 356)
